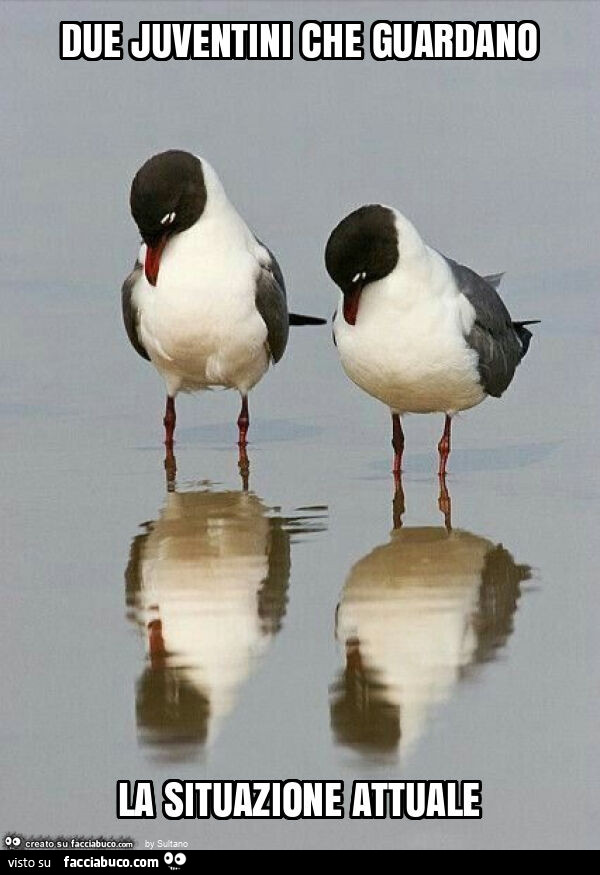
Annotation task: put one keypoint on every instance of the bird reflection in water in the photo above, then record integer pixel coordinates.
(415, 615)
(207, 582)
(170, 465)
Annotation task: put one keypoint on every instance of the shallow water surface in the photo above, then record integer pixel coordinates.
(319, 625)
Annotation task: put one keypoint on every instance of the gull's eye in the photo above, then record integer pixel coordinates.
(168, 219)
(180, 859)
(361, 275)
(168, 858)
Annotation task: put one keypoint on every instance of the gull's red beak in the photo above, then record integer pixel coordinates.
(153, 254)
(351, 302)
(156, 644)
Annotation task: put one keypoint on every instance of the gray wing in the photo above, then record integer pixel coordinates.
(494, 279)
(272, 596)
(272, 305)
(493, 336)
(130, 314)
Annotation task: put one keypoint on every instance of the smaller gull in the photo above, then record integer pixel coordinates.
(415, 329)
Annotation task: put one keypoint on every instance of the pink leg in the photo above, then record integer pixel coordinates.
(243, 422)
(169, 423)
(444, 446)
(398, 444)
(243, 425)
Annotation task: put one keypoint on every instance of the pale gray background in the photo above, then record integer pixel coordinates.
(497, 164)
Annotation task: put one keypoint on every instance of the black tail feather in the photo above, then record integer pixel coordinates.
(524, 334)
(298, 319)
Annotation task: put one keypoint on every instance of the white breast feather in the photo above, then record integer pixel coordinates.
(199, 323)
(415, 619)
(200, 574)
(407, 347)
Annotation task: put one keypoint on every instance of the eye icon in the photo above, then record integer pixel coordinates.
(174, 862)
(12, 841)
(180, 859)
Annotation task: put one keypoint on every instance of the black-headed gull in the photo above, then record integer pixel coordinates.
(206, 301)
(415, 329)
(416, 614)
(208, 581)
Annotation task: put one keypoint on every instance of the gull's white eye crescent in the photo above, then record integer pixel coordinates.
(165, 218)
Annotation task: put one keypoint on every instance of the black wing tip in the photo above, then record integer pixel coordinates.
(524, 334)
(299, 319)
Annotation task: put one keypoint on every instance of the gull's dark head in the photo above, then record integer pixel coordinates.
(168, 195)
(363, 248)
